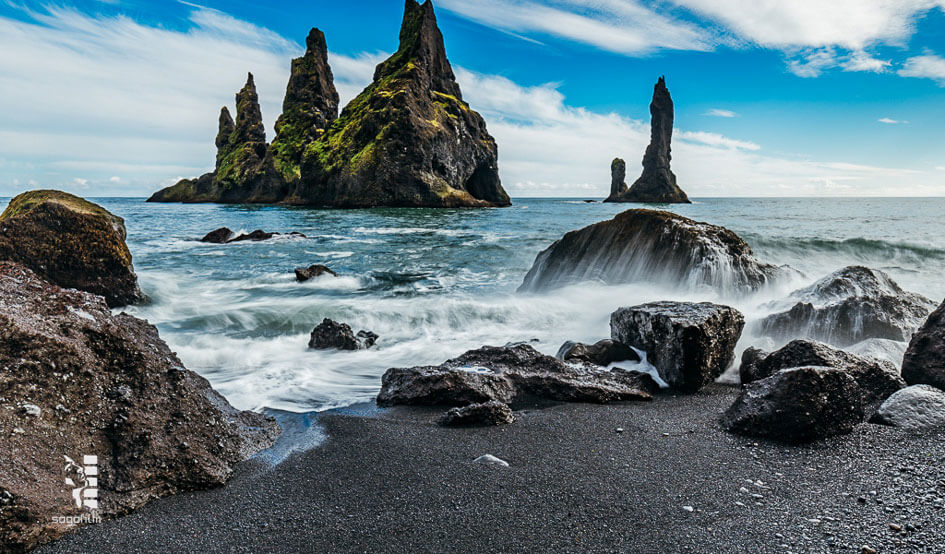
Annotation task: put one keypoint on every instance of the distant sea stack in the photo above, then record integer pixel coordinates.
(657, 184)
(407, 140)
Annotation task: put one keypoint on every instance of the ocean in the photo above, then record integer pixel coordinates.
(435, 283)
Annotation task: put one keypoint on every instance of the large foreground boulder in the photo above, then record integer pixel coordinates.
(924, 362)
(70, 242)
(510, 374)
(689, 344)
(651, 246)
(919, 407)
(797, 405)
(77, 381)
(848, 306)
(603, 352)
(877, 379)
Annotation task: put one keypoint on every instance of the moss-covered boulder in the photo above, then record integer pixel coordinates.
(70, 242)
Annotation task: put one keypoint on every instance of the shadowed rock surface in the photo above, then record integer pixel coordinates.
(748, 369)
(330, 334)
(218, 236)
(918, 408)
(508, 375)
(651, 246)
(924, 362)
(603, 352)
(657, 184)
(877, 379)
(76, 380)
(303, 274)
(797, 405)
(485, 413)
(689, 344)
(70, 242)
(407, 140)
(848, 306)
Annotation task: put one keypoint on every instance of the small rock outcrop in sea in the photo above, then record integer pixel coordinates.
(70, 242)
(303, 274)
(919, 407)
(797, 405)
(657, 184)
(924, 361)
(651, 246)
(408, 139)
(218, 236)
(877, 379)
(224, 235)
(689, 344)
(330, 334)
(77, 381)
(848, 306)
(618, 179)
(602, 353)
(509, 375)
(484, 413)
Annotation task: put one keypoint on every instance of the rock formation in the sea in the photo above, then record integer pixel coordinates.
(848, 306)
(917, 408)
(224, 235)
(330, 334)
(76, 381)
(484, 413)
(618, 179)
(657, 184)
(877, 379)
(651, 246)
(408, 139)
(70, 242)
(603, 352)
(924, 362)
(510, 374)
(797, 405)
(690, 344)
(303, 274)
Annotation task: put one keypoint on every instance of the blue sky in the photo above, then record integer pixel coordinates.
(773, 98)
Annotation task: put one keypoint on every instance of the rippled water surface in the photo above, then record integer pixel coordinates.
(434, 283)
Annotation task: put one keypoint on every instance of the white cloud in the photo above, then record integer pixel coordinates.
(115, 179)
(720, 113)
(715, 139)
(890, 121)
(928, 66)
(862, 61)
(814, 62)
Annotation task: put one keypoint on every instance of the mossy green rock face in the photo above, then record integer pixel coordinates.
(408, 140)
(70, 242)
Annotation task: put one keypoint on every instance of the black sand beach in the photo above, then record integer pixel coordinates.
(671, 481)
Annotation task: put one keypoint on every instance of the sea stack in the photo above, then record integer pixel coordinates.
(407, 140)
(657, 184)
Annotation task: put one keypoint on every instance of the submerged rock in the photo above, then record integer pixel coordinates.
(797, 405)
(924, 361)
(651, 246)
(848, 306)
(330, 334)
(508, 375)
(602, 353)
(70, 242)
(303, 274)
(97, 384)
(918, 407)
(256, 236)
(218, 236)
(657, 183)
(877, 379)
(224, 235)
(689, 344)
(484, 413)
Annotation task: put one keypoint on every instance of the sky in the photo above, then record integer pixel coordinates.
(773, 97)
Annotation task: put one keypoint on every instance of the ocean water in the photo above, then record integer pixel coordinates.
(435, 283)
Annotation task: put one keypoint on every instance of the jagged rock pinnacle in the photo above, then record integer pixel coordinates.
(618, 176)
(249, 122)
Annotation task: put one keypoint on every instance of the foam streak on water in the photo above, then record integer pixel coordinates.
(435, 283)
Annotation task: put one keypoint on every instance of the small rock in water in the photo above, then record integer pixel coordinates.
(218, 236)
(490, 460)
(303, 274)
(331, 334)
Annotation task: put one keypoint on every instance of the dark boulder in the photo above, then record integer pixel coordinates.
(602, 353)
(848, 306)
(689, 344)
(657, 184)
(508, 375)
(303, 274)
(219, 236)
(924, 362)
(877, 379)
(484, 413)
(748, 370)
(330, 334)
(919, 407)
(797, 405)
(651, 246)
(77, 381)
(255, 236)
(70, 242)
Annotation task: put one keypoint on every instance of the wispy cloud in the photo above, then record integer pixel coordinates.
(890, 121)
(715, 112)
(928, 66)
